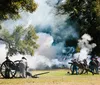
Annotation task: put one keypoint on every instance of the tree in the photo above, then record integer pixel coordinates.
(17, 42)
(86, 14)
(10, 8)
(22, 41)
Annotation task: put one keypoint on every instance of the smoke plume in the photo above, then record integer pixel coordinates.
(53, 31)
(85, 47)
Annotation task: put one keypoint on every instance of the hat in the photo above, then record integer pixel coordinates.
(7, 58)
(24, 58)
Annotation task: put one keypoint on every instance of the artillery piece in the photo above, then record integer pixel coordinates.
(10, 69)
(82, 69)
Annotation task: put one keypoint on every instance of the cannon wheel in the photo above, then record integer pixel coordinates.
(8, 69)
(80, 70)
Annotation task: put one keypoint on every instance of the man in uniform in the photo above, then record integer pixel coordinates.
(85, 66)
(23, 67)
(92, 65)
(7, 70)
(74, 68)
(96, 65)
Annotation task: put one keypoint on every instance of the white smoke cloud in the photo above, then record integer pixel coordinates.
(3, 52)
(44, 55)
(43, 17)
(85, 47)
(46, 49)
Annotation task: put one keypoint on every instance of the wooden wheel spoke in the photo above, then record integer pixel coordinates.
(8, 68)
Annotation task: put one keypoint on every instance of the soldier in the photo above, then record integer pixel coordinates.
(85, 62)
(74, 68)
(96, 65)
(85, 66)
(23, 67)
(7, 70)
(92, 65)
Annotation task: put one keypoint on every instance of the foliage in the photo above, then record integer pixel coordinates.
(10, 8)
(81, 11)
(21, 41)
(98, 7)
(86, 13)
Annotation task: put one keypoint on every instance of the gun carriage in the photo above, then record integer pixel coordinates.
(79, 65)
(82, 68)
(10, 69)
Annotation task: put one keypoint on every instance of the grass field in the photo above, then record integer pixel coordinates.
(55, 77)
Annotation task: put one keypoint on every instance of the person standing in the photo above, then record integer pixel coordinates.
(92, 65)
(85, 66)
(23, 67)
(74, 68)
(96, 65)
(7, 70)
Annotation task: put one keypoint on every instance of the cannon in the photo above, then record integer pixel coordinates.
(10, 69)
(82, 69)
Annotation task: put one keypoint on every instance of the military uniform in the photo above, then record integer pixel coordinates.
(92, 65)
(23, 67)
(96, 65)
(74, 68)
(7, 70)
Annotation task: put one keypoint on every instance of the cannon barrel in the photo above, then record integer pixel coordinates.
(40, 73)
(70, 63)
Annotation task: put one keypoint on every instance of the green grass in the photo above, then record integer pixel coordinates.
(55, 77)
